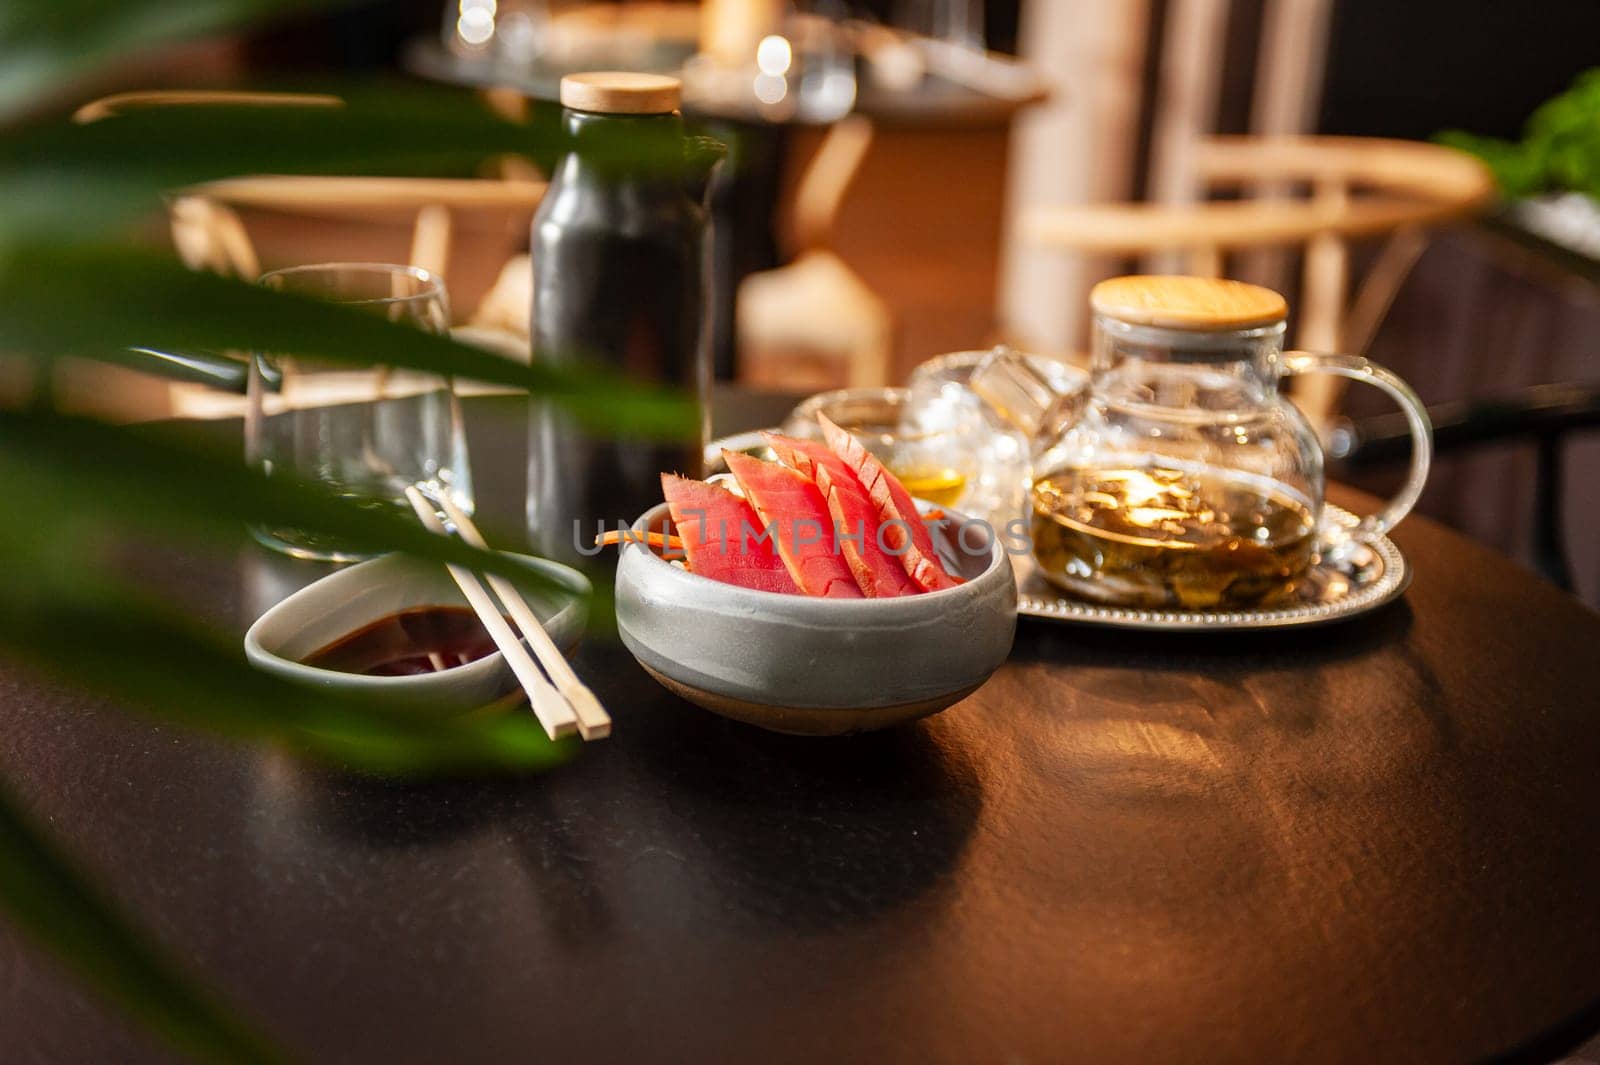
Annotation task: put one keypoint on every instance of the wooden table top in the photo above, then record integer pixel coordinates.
(1373, 841)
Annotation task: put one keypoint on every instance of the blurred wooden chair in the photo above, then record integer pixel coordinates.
(468, 232)
(814, 323)
(463, 230)
(1350, 189)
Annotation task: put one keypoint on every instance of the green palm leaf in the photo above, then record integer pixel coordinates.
(45, 44)
(74, 182)
(82, 474)
(65, 192)
(72, 300)
(112, 640)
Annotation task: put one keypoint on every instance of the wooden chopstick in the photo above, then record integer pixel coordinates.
(552, 710)
(593, 721)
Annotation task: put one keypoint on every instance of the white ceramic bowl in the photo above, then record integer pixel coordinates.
(343, 602)
(797, 664)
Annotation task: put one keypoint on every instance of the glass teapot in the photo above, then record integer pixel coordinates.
(1181, 478)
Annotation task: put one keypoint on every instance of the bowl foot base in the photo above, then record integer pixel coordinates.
(810, 721)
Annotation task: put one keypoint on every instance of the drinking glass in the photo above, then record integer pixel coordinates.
(998, 491)
(827, 68)
(929, 443)
(957, 22)
(365, 432)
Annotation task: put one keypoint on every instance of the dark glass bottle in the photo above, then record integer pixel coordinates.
(619, 281)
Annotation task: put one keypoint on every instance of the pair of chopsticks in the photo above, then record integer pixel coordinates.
(562, 707)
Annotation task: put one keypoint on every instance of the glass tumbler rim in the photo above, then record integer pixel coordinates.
(432, 286)
(888, 396)
(896, 397)
(887, 393)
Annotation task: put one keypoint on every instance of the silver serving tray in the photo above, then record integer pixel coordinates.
(1371, 575)
(1374, 574)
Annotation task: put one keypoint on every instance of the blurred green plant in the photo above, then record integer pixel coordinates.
(72, 284)
(1559, 150)
(47, 45)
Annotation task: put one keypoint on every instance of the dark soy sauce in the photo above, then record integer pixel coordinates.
(400, 645)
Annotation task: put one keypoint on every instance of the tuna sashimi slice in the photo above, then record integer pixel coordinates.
(855, 517)
(712, 523)
(793, 510)
(894, 504)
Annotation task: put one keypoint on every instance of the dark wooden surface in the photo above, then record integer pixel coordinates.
(1371, 842)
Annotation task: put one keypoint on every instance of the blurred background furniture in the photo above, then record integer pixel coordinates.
(1139, 85)
(1357, 189)
(813, 323)
(821, 64)
(471, 233)
(463, 230)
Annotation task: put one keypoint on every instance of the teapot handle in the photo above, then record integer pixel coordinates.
(1337, 541)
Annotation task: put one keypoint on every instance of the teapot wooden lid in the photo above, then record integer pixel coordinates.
(621, 92)
(1202, 304)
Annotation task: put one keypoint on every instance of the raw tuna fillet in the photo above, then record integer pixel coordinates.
(793, 507)
(711, 521)
(878, 574)
(894, 504)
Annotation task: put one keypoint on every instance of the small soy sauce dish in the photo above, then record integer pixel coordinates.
(399, 627)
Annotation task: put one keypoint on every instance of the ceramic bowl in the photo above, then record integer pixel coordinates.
(343, 602)
(822, 667)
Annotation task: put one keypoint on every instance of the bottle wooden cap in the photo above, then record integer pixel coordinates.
(1202, 304)
(621, 92)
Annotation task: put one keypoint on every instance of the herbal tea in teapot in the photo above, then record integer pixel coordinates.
(1183, 479)
(1158, 535)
